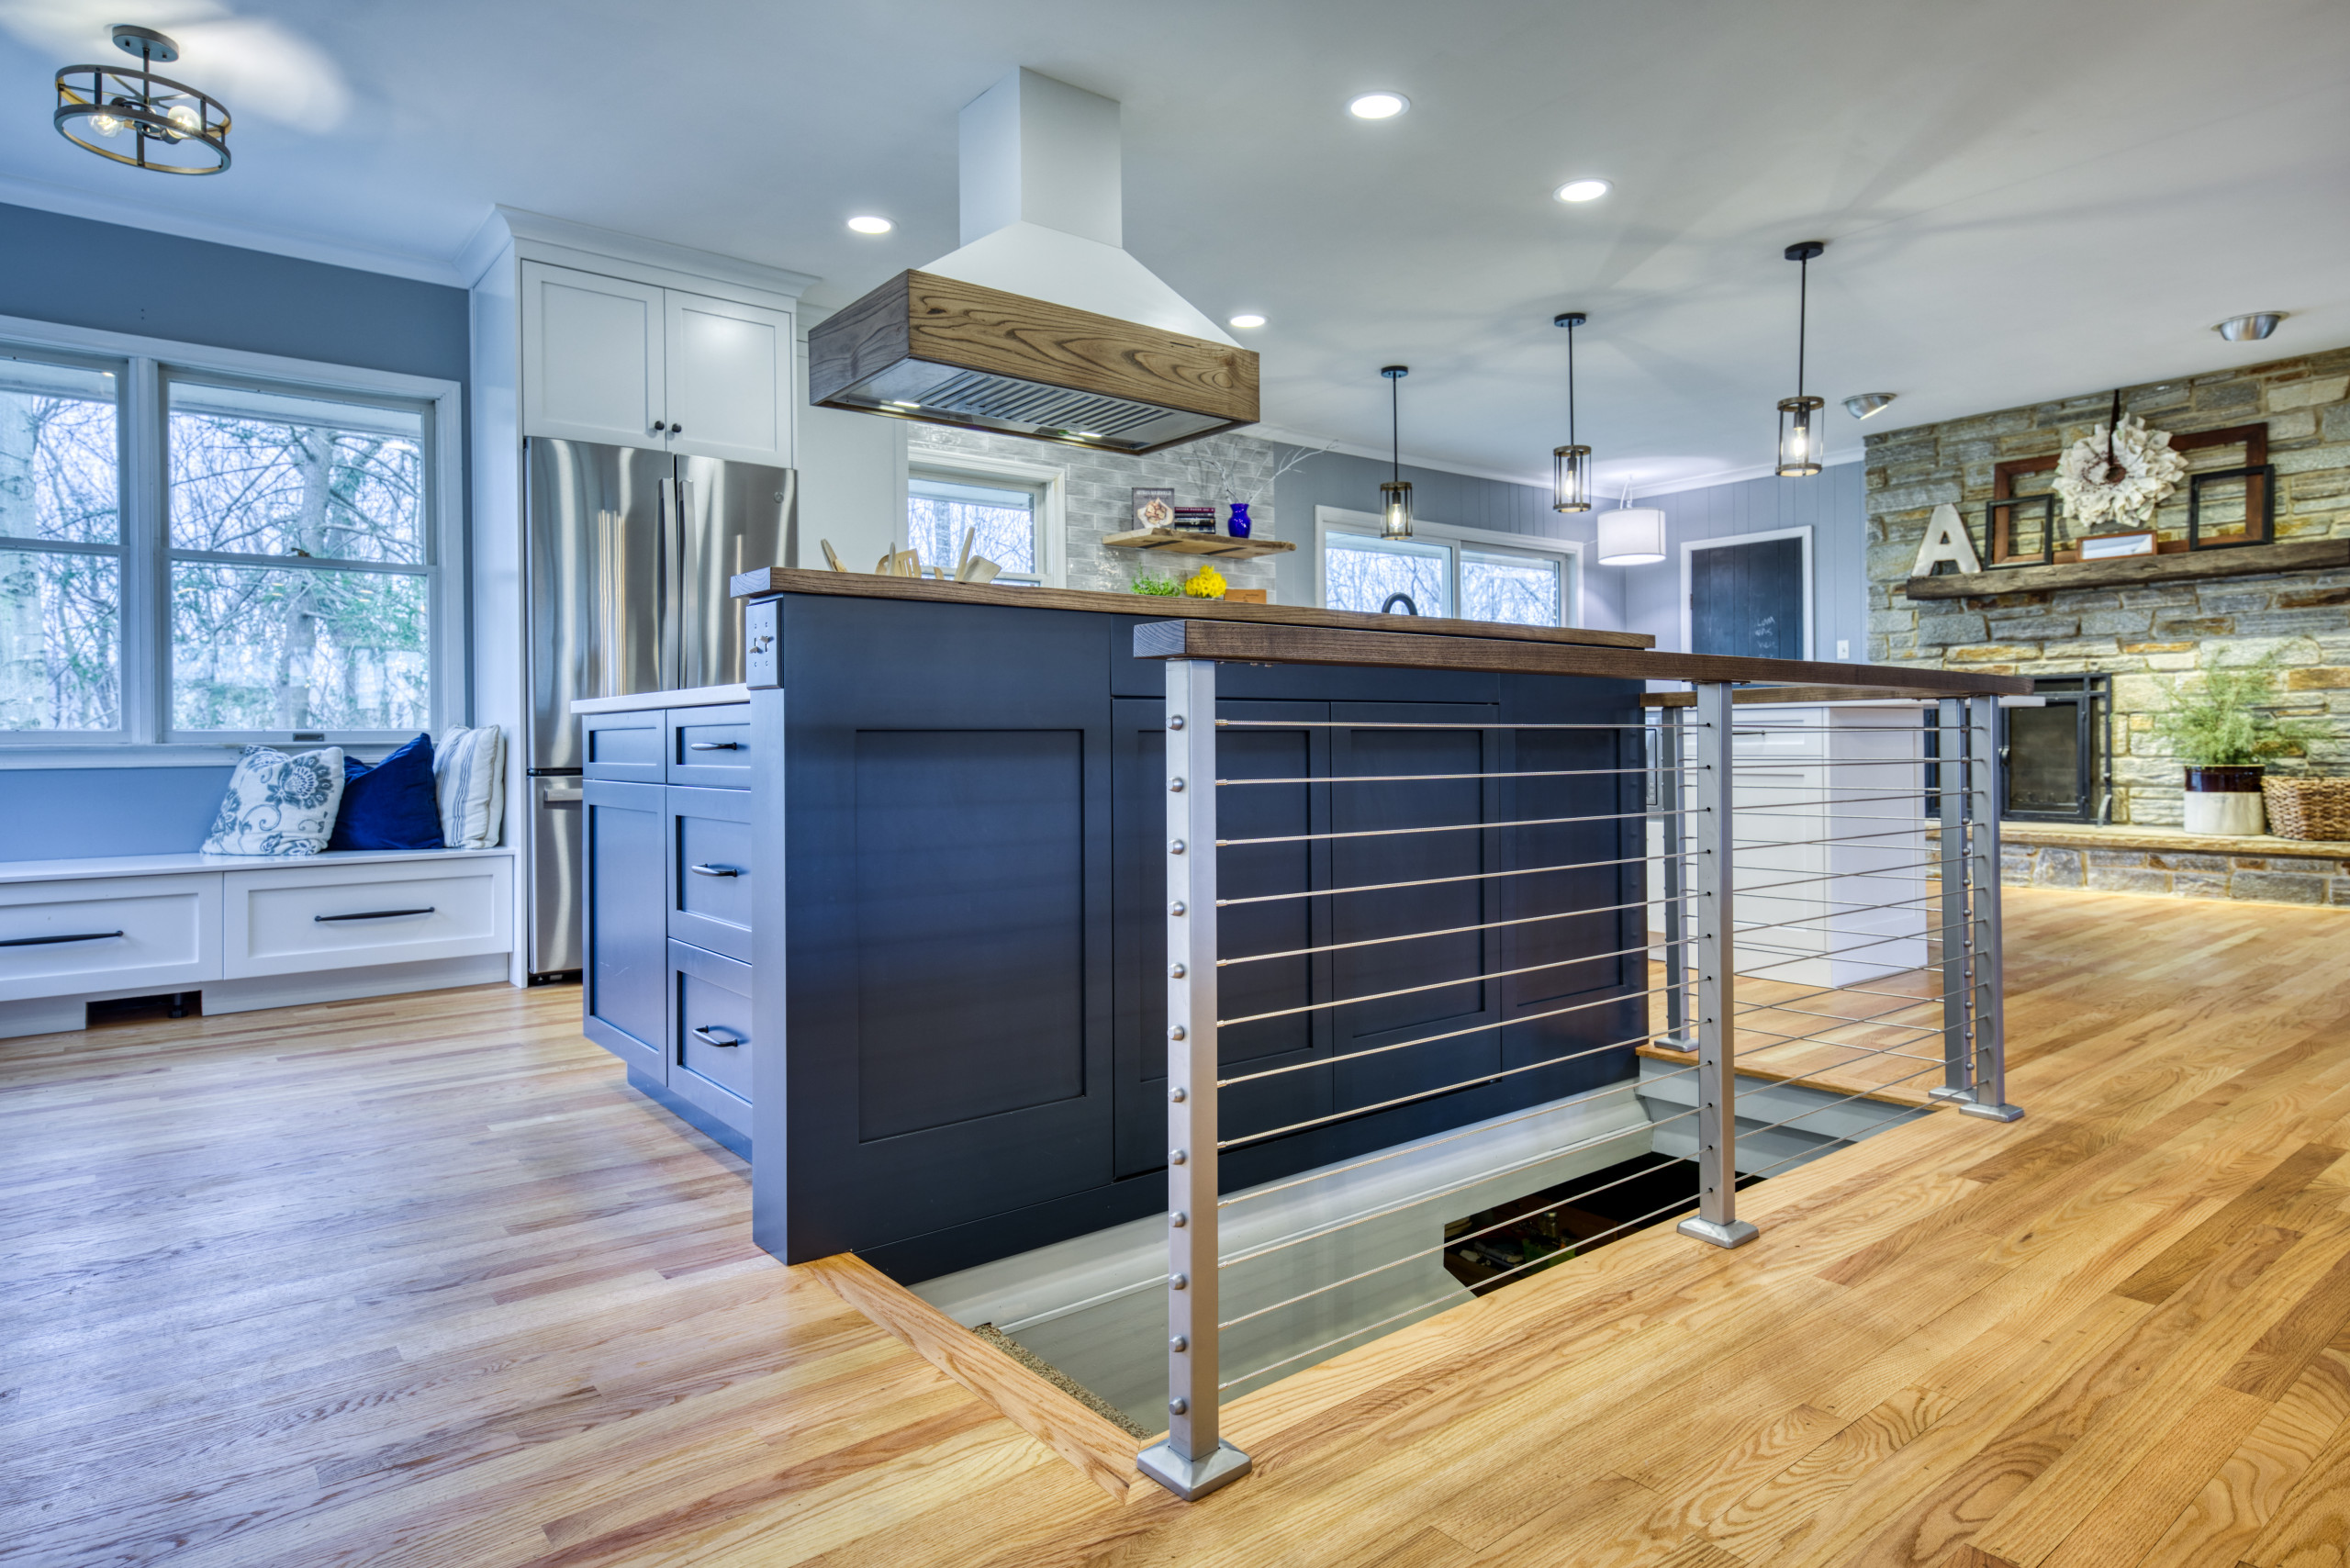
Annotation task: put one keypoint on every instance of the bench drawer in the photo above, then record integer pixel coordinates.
(305, 918)
(710, 839)
(709, 1059)
(109, 933)
(710, 747)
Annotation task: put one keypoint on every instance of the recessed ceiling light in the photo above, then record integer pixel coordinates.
(868, 224)
(1582, 190)
(1861, 404)
(1247, 320)
(1378, 105)
(2249, 328)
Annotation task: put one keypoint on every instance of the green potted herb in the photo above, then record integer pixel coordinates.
(1164, 588)
(2221, 726)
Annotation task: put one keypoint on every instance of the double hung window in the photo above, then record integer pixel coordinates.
(1442, 571)
(196, 555)
(1005, 518)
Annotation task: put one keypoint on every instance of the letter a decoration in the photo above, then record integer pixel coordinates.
(1945, 540)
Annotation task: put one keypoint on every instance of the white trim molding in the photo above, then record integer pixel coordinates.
(1689, 548)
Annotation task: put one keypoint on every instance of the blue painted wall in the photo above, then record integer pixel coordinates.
(1830, 504)
(103, 276)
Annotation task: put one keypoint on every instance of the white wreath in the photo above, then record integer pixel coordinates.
(2148, 470)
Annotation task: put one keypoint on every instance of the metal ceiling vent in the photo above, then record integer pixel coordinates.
(1041, 325)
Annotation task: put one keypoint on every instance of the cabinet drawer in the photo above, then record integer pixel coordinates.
(332, 917)
(622, 747)
(109, 933)
(710, 885)
(710, 747)
(709, 1059)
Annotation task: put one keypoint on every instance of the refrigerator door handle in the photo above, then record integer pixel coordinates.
(673, 537)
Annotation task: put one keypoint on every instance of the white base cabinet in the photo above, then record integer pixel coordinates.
(248, 932)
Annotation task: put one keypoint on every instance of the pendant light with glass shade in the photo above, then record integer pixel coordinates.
(1571, 464)
(1395, 493)
(1801, 434)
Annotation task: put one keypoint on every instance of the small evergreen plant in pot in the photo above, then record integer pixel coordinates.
(2222, 728)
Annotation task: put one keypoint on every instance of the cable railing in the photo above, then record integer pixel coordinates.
(1821, 910)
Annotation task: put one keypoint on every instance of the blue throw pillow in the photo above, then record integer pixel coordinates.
(390, 805)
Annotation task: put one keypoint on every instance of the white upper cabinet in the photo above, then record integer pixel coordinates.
(592, 362)
(608, 359)
(729, 369)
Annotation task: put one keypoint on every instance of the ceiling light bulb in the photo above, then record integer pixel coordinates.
(1379, 106)
(185, 117)
(1582, 190)
(867, 223)
(106, 125)
(1247, 320)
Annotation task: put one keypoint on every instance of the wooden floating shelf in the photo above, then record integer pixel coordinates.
(2237, 561)
(1182, 543)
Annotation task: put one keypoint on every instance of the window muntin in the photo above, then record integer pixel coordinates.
(1004, 521)
(280, 503)
(61, 486)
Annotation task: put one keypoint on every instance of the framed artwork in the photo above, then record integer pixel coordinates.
(1154, 509)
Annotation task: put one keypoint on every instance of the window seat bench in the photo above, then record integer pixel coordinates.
(247, 931)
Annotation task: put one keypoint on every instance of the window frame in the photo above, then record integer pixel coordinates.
(1048, 481)
(1456, 538)
(146, 550)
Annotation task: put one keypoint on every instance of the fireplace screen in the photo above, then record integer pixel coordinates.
(2056, 760)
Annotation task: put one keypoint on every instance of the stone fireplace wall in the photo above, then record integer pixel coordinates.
(2146, 637)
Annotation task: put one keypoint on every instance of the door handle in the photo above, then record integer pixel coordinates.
(46, 941)
(713, 745)
(708, 871)
(371, 914)
(709, 1036)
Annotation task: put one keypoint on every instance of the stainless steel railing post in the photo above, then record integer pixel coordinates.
(1990, 1082)
(1711, 798)
(1671, 753)
(1194, 1459)
(1955, 792)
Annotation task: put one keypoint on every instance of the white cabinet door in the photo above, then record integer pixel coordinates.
(729, 380)
(592, 362)
(306, 918)
(108, 934)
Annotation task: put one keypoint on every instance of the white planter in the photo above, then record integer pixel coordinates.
(2226, 813)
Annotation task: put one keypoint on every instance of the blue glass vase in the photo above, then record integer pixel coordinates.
(1239, 525)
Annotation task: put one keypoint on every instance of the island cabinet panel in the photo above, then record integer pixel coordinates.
(963, 874)
(626, 979)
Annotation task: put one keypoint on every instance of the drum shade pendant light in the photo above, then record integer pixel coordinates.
(1630, 535)
(132, 115)
(1571, 464)
(1800, 429)
(1395, 494)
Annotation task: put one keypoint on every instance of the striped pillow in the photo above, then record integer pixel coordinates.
(469, 782)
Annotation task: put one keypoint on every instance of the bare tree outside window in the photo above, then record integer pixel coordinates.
(61, 649)
(1359, 573)
(1002, 523)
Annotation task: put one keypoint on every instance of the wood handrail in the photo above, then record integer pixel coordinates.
(1249, 643)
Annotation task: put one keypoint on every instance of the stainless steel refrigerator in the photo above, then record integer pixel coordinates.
(628, 553)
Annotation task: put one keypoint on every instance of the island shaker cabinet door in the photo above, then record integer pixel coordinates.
(626, 974)
(711, 873)
(709, 748)
(593, 363)
(710, 1056)
(624, 748)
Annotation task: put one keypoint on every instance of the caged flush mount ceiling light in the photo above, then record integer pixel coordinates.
(131, 116)
(1801, 436)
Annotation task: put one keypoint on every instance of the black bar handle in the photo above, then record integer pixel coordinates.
(372, 914)
(45, 941)
(708, 870)
(713, 745)
(709, 1036)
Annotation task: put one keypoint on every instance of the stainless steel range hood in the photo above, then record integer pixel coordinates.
(1041, 325)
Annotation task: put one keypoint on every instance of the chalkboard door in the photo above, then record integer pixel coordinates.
(1747, 599)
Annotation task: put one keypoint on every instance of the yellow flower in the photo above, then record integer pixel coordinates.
(1205, 583)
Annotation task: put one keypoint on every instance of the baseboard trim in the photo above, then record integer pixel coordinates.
(1104, 1453)
(252, 994)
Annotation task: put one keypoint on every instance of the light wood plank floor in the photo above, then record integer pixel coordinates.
(418, 1283)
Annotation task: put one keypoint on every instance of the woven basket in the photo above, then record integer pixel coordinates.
(2308, 808)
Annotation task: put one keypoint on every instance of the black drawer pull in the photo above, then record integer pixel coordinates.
(709, 1036)
(373, 915)
(713, 745)
(45, 941)
(707, 871)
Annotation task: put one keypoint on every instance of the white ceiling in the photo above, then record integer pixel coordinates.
(2021, 199)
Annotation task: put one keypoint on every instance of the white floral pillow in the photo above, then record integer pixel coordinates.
(278, 804)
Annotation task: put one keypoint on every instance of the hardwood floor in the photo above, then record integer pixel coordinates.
(418, 1281)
